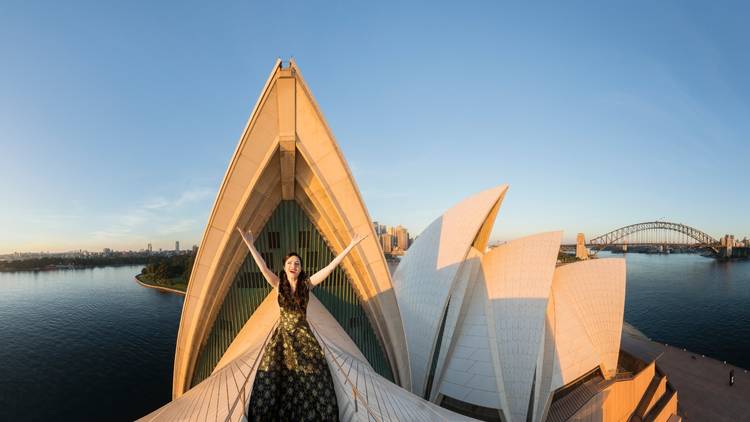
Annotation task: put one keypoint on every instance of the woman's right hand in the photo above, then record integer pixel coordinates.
(247, 236)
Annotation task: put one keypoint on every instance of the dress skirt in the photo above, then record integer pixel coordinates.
(293, 382)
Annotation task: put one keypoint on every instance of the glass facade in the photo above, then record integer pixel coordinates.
(289, 229)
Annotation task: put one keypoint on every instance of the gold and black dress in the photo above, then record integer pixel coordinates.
(293, 382)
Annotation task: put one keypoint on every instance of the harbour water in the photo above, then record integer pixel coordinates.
(84, 345)
(94, 345)
(691, 302)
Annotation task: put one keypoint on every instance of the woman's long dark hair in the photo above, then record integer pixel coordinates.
(300, 293)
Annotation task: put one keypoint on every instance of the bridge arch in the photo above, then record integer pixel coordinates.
(613, 237)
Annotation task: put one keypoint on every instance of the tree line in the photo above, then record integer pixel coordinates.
(36, 264)
(173, 267)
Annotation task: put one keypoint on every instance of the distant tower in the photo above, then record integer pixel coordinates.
(386, 241)
(402, 238)
(150, 248)
(581, 251)
(729, 243)
(394, 236)
(177, 246)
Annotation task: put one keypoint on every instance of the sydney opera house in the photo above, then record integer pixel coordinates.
(459, 331)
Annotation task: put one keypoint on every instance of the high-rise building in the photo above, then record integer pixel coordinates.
(177, 245)
(386, 242)
(402, 238)
(150, 248)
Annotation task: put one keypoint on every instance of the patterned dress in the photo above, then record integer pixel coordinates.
(293, 382)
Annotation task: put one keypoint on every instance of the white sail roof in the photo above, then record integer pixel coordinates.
(426, 275)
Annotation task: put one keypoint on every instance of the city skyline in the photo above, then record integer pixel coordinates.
(114, 132)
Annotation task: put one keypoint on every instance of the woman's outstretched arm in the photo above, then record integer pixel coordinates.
(321, 275)
(271, 278)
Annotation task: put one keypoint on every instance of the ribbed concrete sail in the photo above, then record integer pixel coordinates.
(518, 276)
(460, 305)
(575, 354)
(470, 370)
(426, 275)
(584, 323)
(595, 291)
(286, 153)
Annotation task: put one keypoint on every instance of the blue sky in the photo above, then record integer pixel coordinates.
(118, 119)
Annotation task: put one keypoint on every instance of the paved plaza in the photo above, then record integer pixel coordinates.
(702, 383)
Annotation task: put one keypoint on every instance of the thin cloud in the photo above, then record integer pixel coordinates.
(193, 196)
(157, 216)
(177, 227)
(156, 203)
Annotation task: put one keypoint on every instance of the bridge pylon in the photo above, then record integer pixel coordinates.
(582, 252)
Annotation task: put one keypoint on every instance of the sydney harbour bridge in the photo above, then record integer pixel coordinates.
(665, 236)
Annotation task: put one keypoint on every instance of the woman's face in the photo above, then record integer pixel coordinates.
(292, 267)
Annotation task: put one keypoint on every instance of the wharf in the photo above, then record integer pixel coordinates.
(702, 383)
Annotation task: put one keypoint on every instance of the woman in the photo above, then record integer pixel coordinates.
(293, 382)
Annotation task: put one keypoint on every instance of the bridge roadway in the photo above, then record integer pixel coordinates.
(702, 383)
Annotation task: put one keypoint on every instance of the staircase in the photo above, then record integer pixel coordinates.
(562, 409)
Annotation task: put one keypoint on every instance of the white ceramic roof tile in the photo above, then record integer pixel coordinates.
(456, 391)
(479, 396)
(484, 381)
(457, 377)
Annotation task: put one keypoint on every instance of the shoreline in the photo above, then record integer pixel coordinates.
(64, 268)
(162, 288)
